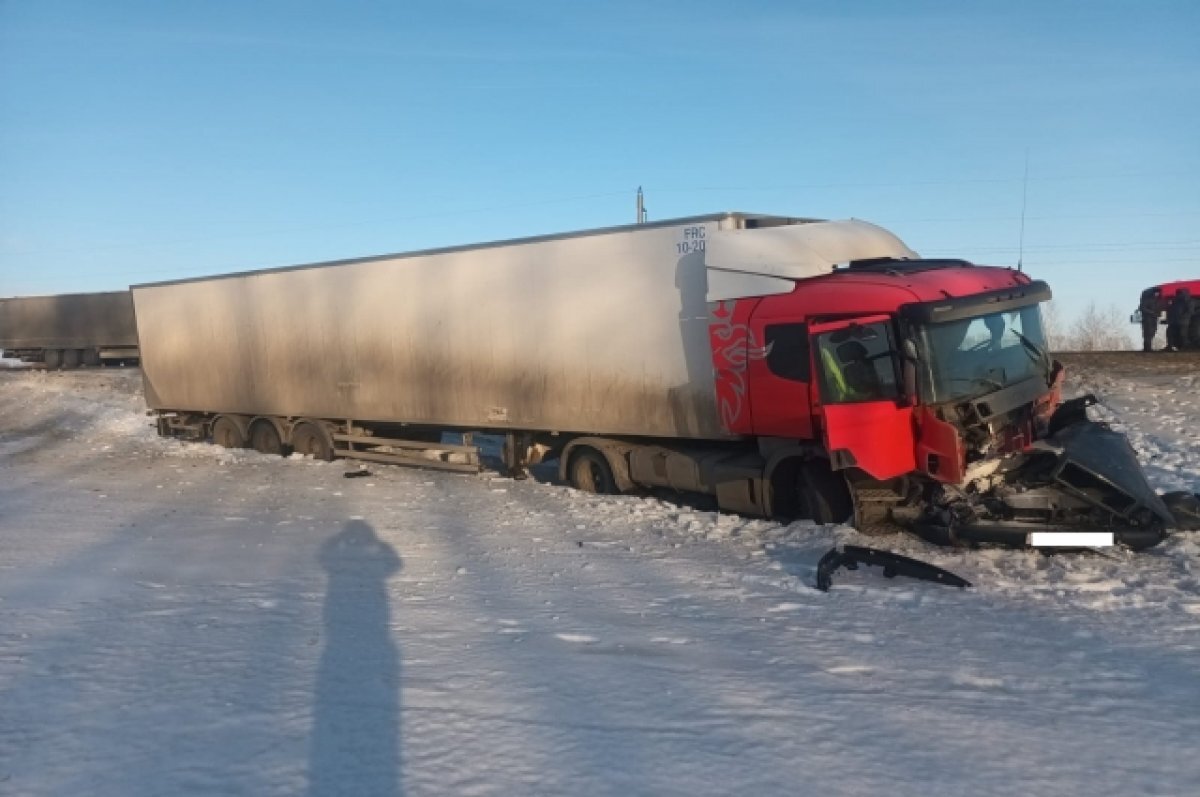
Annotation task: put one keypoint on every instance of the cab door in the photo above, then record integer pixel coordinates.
(780, 371)
(867, 422)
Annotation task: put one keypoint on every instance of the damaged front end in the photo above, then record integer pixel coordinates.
(1080, 477)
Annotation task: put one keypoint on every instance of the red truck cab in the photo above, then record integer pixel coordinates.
(891, 368)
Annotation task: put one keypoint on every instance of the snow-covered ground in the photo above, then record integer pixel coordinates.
(178, 619)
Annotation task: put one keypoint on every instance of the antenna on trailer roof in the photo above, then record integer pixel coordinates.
(1024, 195)
(641, 207)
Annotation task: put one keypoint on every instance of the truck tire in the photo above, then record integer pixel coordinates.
(228, 434)
(591, 473)
(264, 438)
(312, 439)
(53, 358)
(91, 357)
(823, 495)
(70, 359)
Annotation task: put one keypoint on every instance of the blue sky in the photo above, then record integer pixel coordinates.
(142, 141)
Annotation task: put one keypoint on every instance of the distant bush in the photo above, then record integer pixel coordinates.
(1095, 329)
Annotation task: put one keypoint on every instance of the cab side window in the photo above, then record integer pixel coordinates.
(788, 351)
(857, 365)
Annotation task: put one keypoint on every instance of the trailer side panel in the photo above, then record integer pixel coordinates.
(71, 321)
(603, 333)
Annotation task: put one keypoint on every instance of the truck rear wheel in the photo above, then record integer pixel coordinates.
(264, 438)
(70, 358)
(53, 358)
(591, 473)
(311, 439)
(227, 434)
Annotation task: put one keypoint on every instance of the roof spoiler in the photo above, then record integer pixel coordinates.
(767, 260)
(958, 308)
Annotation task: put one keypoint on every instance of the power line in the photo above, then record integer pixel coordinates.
(692, 189)
(1077, 247)
(1155, 261)
(907, 183)
(345, 226)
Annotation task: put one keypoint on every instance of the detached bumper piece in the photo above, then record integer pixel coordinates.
(1082, 477)
(893, 564)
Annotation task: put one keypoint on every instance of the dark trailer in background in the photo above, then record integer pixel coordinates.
(69, 330)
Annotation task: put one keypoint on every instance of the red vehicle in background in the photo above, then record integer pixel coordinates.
(1154, 310)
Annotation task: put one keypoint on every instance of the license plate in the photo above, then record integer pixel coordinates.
(1071, 539)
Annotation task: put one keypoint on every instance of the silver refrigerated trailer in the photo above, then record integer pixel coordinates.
(593, 346)
(69, 330)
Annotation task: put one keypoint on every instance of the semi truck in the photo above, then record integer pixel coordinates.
(69, 330)
(789, 367)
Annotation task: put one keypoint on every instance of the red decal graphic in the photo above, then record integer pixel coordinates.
(733, 345)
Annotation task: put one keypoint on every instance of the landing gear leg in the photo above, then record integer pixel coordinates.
(519, 454)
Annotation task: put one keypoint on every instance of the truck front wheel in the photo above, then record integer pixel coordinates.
(823, 495)
(591, 473)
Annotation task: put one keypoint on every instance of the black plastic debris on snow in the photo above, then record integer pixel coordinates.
(893, 564)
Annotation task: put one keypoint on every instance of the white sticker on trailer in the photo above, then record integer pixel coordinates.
(1071, 539)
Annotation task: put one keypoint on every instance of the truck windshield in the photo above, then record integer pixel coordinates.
(973, 356)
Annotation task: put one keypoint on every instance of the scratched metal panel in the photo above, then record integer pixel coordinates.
(606, 333)
(70, 321)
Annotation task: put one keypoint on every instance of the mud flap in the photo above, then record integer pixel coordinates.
(893, 564)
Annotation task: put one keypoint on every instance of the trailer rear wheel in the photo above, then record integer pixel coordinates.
(311, 439)
(591, 473)
(91, 357)
(264, 438)
(70, 358)
(53, 358)
(227, 434)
